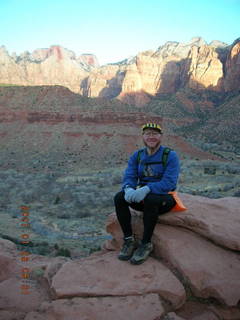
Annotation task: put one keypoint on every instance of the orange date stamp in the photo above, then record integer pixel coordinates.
(25, 286)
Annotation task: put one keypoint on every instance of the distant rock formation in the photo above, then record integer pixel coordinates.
(52, 66)
(174, 65)
(192, 274)
(195, 65)
(232, 78)
(52, 118)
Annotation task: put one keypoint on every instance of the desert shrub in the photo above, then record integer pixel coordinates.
(82, 214)
(233, 170)
(63, 252)
(43, 251)
(236, 194)
(63, 215)
(100, 183)
(57, 199)
(210, 170)
(227, 187)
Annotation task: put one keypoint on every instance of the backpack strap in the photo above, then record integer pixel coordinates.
(139, 155)
(165, 154)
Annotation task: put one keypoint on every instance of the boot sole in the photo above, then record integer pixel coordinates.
(141, 261)
(125, 258)
(137, 262)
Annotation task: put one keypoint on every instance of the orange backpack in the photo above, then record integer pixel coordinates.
(179, 206)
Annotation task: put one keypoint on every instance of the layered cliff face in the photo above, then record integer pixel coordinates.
(52, 66)
(232, 78)
(205, 69)
(195, 65)
(177, 65)
(104, 82)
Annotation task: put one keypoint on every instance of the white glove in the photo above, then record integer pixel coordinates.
(129, 192)
(140, 194)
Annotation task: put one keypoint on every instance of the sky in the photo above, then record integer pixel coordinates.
(114, 30)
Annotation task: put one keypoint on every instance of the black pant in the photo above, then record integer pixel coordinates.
(152, 206)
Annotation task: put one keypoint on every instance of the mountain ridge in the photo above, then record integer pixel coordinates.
(173, 66)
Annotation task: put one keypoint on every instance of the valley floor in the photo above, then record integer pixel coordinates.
(68, 206)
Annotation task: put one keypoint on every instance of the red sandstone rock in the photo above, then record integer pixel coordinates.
(7, 246)
(215, 219)
(173, 316)
(22, 289)
(112, 288)
(173, 66)
(232, 79)
(105, 81)
(137, 98)
(53, 66)
(211, 270)
(53, 267)
(146, 307)
(7, 267)
(226, 313)
(88, 60)
(195, 65)
(14, 298)
(8, 259)
(12, 315)
(40, 316)
(93, 276)
(197, 311)
(205, 70)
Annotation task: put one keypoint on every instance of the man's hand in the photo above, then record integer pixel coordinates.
(140, 194)
(129, 192)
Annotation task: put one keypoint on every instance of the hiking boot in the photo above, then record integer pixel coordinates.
(127, 250)
(142, 253)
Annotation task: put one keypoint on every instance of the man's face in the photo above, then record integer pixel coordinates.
(151, 138)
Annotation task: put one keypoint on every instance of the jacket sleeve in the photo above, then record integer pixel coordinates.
(169, 178)
(130, 177)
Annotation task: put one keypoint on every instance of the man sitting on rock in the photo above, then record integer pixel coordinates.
(151, 173)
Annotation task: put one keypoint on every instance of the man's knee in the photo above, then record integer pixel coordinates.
(163, 203)
(119, 198)
(151, 207)
(153, 200)
(150, 200)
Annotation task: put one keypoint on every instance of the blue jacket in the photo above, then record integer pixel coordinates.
(150, 171)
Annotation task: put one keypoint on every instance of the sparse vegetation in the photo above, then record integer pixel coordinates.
(70, 190)
(74, 207)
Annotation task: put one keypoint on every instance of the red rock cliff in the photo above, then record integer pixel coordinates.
(197, 65)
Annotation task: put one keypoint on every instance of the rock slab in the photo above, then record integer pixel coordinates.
(215, 219)
(105, 275)
(147, 307)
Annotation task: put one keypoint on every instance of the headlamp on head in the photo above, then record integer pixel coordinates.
(153, 126)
